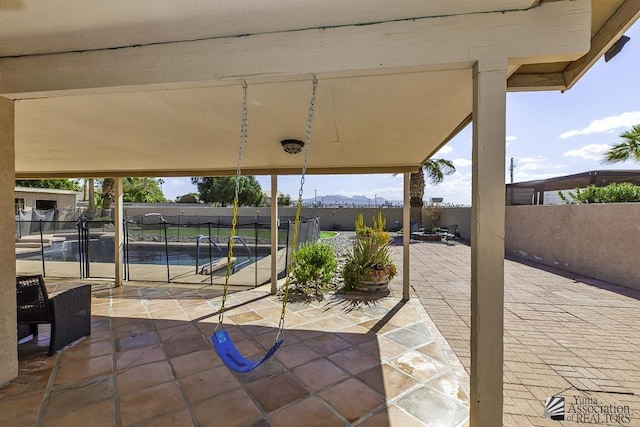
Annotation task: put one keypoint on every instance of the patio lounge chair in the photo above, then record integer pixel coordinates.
(69, 312)
(449, 233)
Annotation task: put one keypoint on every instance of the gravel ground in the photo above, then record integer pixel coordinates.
(341, 244)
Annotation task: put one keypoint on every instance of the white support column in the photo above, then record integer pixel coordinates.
(406, 237)
(118, 233)
(274, 234)
(8, 335)
(487, 242)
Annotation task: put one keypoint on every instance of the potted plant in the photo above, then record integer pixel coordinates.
(368, 266)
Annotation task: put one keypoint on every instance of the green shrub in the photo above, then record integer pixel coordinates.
(314, 265)
(619, 192)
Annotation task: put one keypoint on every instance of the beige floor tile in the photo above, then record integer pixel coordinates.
(354, 360)
(353, 399)
(320, 374)
(194, 362)
(97, 415)
(86, 350)
(388, 381)
(82, 369)
(296, 354)
(327, 344)
(22, 411)
(143, 376)
(179, 418)
(392, 417)
(313, 411)
(150, 402)
(139, 356)
(185, 345)
(229, 410)
(209, 383)
(273, 393)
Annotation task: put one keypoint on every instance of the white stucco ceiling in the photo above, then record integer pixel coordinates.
(379, 121)
(44, 26)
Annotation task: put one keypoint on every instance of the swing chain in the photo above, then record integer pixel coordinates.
(296, 224)
(244, 124)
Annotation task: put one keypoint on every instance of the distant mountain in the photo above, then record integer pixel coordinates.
(338, 200)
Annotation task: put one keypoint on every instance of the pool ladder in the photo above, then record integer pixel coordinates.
(202, 269)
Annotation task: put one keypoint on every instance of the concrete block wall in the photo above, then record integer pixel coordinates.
(330, 218)
(597, 240)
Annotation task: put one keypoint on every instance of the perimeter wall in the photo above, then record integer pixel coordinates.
(597, 240)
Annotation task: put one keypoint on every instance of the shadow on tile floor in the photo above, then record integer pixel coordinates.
(372, 364)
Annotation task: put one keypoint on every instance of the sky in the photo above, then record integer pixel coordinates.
(548, 134)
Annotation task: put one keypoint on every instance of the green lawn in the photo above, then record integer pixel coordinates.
(187, 232)
(327, 234)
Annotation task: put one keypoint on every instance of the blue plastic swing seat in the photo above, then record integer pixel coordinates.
(232, 357)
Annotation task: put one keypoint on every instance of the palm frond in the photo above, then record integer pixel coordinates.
(628, 149)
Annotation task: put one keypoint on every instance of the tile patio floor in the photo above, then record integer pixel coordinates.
(149, 362)
(561, 331)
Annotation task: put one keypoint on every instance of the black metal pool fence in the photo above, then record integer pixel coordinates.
(79, 235)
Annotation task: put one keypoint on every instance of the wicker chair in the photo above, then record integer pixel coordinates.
(69, 312)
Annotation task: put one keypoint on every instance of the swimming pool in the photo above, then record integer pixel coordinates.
(102, 250)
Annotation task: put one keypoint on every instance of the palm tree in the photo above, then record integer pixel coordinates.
(629, 149)
(108, 193)
(436, 170)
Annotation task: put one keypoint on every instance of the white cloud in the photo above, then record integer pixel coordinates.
(455, 189)
(606, 124)
(511, 138)
(461, 163)
(444, 150)
(538, 167)
(389, 193)
(589, 152)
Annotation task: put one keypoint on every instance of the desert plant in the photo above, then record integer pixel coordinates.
(314, 265)
(367, 255)
(359, 221)
(379, 221)
(376, 232)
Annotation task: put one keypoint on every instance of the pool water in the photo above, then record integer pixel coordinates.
(102, 250)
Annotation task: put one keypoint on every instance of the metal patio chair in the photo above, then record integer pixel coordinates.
(450, 233)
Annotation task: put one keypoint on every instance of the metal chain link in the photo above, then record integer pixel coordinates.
(244, 124)
(296, 224)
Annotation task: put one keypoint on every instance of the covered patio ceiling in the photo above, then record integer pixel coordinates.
(156, 90)
(195, 131)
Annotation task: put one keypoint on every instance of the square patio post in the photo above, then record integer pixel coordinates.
(406, 237)
(487, 241)
(118, 233)
(8, 321)
(274, 234)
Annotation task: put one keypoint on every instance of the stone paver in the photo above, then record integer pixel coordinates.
(563, 333)
(149, 361)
